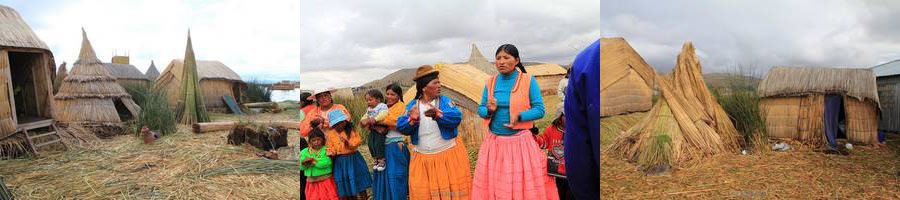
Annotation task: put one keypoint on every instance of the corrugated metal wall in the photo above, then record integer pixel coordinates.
(889, 95)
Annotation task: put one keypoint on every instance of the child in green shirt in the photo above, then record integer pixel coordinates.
(316, 165)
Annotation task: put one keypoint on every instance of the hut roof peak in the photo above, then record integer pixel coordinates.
(87, 50)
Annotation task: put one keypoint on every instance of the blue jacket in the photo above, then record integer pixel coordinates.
(582, 106)
(583, 94)
(448, 124)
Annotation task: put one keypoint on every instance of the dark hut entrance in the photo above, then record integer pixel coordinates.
(124, 113)
(25, 87)
(835, 119)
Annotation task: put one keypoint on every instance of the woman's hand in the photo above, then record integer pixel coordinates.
(316, 121)
(492, 105)
(365, 123)
(430, 113)
(438, 113)
(434, 113)
(414, 114)
(513, 119)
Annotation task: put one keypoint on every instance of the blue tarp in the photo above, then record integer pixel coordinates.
(834, 107)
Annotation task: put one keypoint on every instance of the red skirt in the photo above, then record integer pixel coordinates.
(321, 190)
(512, 167)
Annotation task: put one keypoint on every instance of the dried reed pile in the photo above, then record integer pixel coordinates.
(60, 76)
(686, 124)
(190, 108)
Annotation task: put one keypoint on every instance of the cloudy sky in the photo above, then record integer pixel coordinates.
(326, 43)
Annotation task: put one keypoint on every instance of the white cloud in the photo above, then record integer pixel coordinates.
(346, 43)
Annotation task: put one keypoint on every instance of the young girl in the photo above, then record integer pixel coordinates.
(552, 140)
(350, 171)
(375, 113)
(316, 165)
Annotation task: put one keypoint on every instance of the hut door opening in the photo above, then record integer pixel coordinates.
(124, 113)
(24, 85)
(835, 124)
(236, 89)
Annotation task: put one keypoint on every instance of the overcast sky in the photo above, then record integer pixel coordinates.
(326, 43)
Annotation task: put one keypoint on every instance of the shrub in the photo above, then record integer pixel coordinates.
(356, 105)
(257, 92)
(155, 111)
(740, 101)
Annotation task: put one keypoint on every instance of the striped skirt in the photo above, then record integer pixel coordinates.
(393, 182)
(351, 174)
(442, 175)
(321, 190)
(512, 167)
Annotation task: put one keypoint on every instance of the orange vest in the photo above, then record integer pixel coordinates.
(519, 99)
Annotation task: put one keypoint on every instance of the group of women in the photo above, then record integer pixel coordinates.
(433, 162)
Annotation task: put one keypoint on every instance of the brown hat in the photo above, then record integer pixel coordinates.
(424, 70)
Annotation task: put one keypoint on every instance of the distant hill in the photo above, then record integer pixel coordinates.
(730, 80)
(403, 77)
(725, 82)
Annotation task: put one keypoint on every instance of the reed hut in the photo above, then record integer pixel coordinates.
(90, 94)
(627, 80)
(477, 60)
(801, 103)
(547, 76)
(216, 81)
(126, 74)
(26, 75)
(887, 76)
(152, 73)
(464, 84)
(685, 125)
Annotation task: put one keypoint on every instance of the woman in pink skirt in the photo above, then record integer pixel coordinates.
(510, 164)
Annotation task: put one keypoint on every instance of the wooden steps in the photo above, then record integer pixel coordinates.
(29, 129)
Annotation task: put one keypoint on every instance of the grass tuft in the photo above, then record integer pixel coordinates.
(257, 92)
(155, 111)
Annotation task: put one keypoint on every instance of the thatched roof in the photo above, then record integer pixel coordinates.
(887, 69)
(626, 84)
(545, 69)
(206, 69)
(88, 93)
(477, 60)
(152, 73)
(462, 82)
(14, 32)
(620, 60)
(124, 71)
(62, 71)
(798, 81)
(89, 78)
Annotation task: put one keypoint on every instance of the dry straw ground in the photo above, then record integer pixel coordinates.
(183, 166)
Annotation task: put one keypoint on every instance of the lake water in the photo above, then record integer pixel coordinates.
(285, 95)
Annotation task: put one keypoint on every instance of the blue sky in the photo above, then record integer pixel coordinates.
(346, 43)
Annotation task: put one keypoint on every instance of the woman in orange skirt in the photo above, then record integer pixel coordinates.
(440, 167)
(510, 164)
